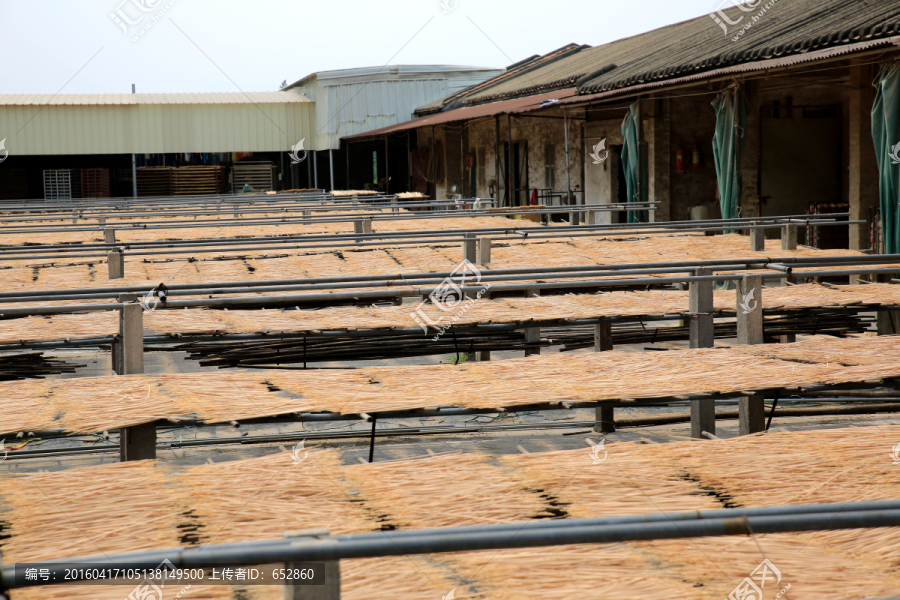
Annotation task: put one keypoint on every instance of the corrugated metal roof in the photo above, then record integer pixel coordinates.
(786, 28)
(514, 106)
(131, 99)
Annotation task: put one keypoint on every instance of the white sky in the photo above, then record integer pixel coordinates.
(252, 45)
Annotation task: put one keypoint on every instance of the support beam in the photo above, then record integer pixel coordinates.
(751, 409)
(363, 227)
(116, 262)
(138, 442)
(702, 334)
(605, 415)
(331, 590)
(109, 235)
(484, 251)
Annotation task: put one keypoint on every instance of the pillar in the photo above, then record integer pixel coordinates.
(658, 133)
(605, 415)
(484, 251)
(533, 334)
(749, 154)
(757, 239)
(109, 235)
(751, 409)
(862, 164)
(138, 442)
(702, 334)
(470, 248)
(363, 227)
(789, 236)
(116, 262)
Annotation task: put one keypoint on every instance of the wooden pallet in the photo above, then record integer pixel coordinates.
(94, 183)
(258, 174)
(199, 180)
(154, 181)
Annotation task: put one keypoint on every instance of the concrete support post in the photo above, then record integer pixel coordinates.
(109, 235)
(116, 262)
(887, 322)
(751, 409)
(484, 251)
(331, 590)
(138, 442)
(788, 338)
(702, 334)
(532, 334)
(789, 237)
(605, 415)
(757, 240)
(363, 227)
(470, 248)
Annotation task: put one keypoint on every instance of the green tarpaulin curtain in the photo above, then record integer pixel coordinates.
(886, 135)
(728, 142)
(631, 160)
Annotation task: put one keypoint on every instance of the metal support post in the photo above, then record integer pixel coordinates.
(757, 239)
(702, 334)
(605, 415)
(484, 251)
(116, 262)
(789, 237)
(751, 409)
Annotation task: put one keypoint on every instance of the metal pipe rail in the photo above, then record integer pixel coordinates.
(405, 279)
(298, 220)
(321, 241)
(319, 546)
(378, 295)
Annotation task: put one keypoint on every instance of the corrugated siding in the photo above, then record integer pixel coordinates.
(156, 128)
(353, 108)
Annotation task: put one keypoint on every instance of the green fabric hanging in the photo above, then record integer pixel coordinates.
(886, 135)
(631, 156)
(729, 129)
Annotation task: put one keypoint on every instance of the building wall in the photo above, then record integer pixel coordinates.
(154, 128)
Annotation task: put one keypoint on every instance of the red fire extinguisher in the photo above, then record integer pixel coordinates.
(470, 161)
(679, 160)
(696, 160)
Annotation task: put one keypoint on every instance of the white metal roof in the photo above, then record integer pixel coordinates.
(132, 99)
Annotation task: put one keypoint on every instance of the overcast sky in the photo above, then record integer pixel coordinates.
(75, 46)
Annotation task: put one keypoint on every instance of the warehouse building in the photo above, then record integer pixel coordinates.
(655, 117)
(63, 146)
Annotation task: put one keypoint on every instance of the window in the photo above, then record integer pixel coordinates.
(550, 166)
